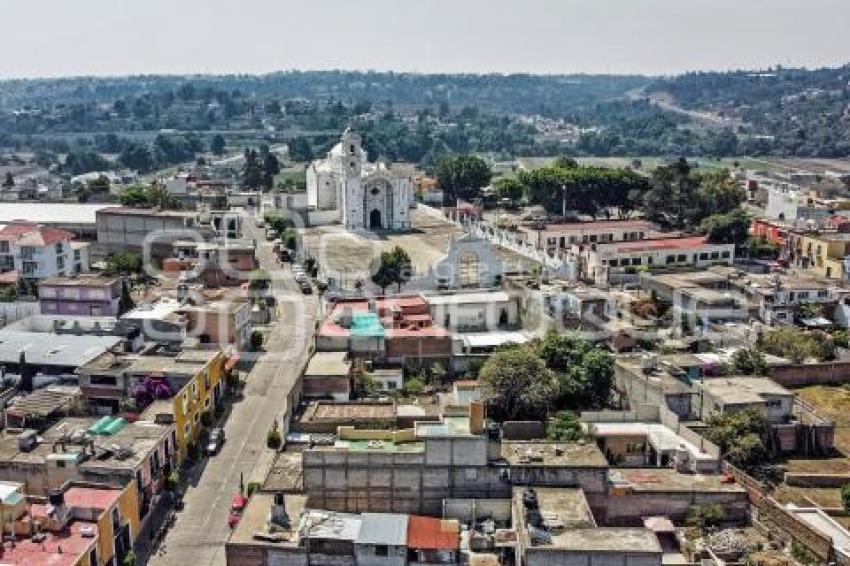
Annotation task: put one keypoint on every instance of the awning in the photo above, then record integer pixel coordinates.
(231, 362)
(659, 524)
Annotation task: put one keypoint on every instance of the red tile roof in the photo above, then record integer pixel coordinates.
(31, 234)
(691, 242)
(427, 533)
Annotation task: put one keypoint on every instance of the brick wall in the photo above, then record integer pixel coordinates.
(811, 374)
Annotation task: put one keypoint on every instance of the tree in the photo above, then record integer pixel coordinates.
(138, 157)
(217, 145)
(271, 167)
(565, 162)
(252, 174)
(125, 302)
(462, 177)
(720, 193)
(790, 342)
(585, 373)
(394, 267)
(257, 340)
(9, 181)
(124, 263)
(565, 426)
(739, 436)
(516, 384)
(509, 188)
(673, 198)
(749, 361)
(731, 228)
(300, 149)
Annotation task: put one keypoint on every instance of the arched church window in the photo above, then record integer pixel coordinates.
(468, 267)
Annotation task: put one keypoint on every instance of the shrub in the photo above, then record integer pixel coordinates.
(845, 496)
(251, 487)
(273, 439)
(414, 386)
(172, 481)
(257, 340)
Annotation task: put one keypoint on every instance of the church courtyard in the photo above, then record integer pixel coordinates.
(350, 254)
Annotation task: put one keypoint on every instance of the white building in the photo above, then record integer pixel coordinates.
(365, 196)
(469, 263)
(38, 252)
(602, 261)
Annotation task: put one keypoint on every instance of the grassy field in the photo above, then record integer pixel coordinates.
(649, 163)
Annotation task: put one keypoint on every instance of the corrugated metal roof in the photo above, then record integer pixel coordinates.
(383, 528)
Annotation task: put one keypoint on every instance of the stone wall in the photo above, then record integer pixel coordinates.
(836, 372)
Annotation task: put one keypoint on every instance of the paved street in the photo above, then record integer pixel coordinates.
(201, 529)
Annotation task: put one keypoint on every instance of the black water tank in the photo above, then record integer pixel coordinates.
(56, 498)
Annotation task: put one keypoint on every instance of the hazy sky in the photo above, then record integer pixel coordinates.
(114, 37)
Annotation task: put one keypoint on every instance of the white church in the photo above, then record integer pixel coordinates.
(365, 196)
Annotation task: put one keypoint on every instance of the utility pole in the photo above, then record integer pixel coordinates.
(563, 201)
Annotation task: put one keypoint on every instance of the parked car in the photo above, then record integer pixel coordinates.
(306, 288)
(271, 234)
(215, 441)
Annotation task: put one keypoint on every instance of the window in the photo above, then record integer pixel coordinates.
(382, 550)
(27, 252)
(93, 557)
(821, 294)
(681, 258)
(703, 256)
(4, 246)
(60, 262)
(611, 262)
(116, 519)
(197, 417)
(103, 380)
(724, 255)
(635, 261)
(649, 260)
(60, 248)
(715, 255)
(391, 385)
(60, 463)
(187, 430)
(593, 237)
(670, 259)
(773, 403)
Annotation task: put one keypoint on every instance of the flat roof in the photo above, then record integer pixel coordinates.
(324, 364)
(496, 338)
(331, 525)
(666, 480)
(383, 528)
(468, 298)
(741, 390)
(49, 349)
(255, 519)
(82, 280)
(328, 411)
(661, 437)
(566, 504)
(50, 213)
(628, 540)
(154, 311)
(553, 454)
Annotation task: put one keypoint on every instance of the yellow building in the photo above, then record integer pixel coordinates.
(98, 526)
(201, 375)
(822, 254)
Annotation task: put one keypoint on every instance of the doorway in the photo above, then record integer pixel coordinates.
(375, 219)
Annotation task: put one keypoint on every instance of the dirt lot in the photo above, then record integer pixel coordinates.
(352, 254)
(832, 402)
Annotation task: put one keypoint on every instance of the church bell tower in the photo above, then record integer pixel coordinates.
(352, 167)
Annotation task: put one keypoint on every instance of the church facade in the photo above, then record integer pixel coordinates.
(365, 196)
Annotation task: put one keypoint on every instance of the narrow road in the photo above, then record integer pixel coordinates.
(200, 531)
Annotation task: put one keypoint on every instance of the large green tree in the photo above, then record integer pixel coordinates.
(394, 268)
(729, 228)
(217, 144)
(673, 199)
(462, 177)
(517, 385)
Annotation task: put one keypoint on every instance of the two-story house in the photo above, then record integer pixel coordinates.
(37, 252)
(92, 295)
